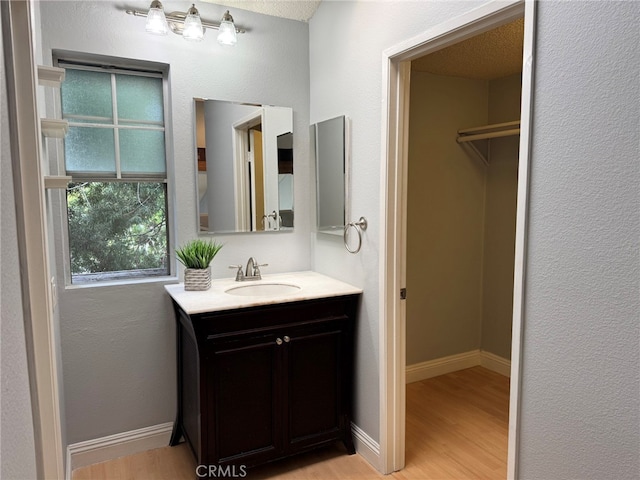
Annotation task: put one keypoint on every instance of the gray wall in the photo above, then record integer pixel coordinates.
(580, 390)
(580, 379)
(17, 454)
(117, 342)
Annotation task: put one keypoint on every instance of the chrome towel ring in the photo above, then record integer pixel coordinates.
(359, 227)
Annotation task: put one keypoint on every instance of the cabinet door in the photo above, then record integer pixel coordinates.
(243, 398)
(189, 393)
(315, 361)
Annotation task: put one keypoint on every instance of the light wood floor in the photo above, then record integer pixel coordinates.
(456, 429)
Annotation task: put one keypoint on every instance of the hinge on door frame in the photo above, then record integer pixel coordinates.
(403, 294)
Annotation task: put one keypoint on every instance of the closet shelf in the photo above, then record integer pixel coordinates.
(50, 76)
(487, 132)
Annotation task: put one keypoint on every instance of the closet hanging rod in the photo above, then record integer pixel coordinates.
(484, 136)
(490, 128)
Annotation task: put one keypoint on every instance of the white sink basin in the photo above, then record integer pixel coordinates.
(263, 290)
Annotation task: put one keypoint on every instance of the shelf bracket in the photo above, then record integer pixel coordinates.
(50, 76)
(477, 151)
(54, 127)
(56, 181)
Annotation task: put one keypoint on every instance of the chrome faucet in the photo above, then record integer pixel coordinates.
(252, 271)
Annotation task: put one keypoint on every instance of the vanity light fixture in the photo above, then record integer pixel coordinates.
(193, 30)
(189, 24)
(227, 31)
(156, 21)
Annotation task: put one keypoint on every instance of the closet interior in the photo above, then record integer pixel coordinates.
(461, 205)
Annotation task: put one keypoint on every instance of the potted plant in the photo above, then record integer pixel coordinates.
(196, 256)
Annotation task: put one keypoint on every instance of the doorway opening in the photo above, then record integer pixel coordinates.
(463, 142)
(442, 202)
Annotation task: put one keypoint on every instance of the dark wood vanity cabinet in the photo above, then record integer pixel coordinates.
(261, 383)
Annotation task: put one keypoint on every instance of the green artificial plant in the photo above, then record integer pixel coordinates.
(198, 253)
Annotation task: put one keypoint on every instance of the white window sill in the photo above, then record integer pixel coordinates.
(128, 281)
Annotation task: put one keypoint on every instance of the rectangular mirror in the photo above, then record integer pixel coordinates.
(331, 174)
(244, 167)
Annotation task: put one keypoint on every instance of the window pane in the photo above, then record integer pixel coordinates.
(87, 93)
(141, 151)
(139, 99)
(117, 228)
(89, 150)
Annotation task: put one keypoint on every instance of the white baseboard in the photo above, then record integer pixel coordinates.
(495, 363)
(441, 366)
(108, 448)
(453, 363)
(366, 446)
(103, 449)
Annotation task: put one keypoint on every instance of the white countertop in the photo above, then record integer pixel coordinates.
(312, 285)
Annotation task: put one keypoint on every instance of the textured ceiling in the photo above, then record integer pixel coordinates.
(301, 10)
(493, 54)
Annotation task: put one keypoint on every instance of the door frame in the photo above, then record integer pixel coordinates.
(396, 66)
(242, 159)
(38, 292)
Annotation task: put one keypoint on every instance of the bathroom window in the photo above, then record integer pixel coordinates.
(115, 153)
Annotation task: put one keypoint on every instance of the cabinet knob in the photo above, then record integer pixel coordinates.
(279, 341)
(287, 339)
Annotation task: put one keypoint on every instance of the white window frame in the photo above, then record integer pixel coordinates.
(129, 67)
